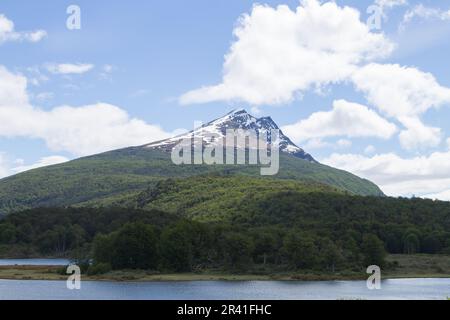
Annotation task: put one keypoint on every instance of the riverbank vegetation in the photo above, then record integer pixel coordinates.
(406, 266)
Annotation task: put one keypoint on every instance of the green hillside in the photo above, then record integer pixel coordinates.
(214, 198)
(122, 174)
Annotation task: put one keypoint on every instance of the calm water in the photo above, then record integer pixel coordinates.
(34, 262)
(217, 290)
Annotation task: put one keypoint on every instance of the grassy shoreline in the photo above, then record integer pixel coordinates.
(51, 273)
(407, 266)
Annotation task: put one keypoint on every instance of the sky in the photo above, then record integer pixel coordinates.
(361, 85)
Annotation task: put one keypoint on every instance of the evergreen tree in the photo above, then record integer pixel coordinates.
(373, 251)
(136, 247)
(300, 250)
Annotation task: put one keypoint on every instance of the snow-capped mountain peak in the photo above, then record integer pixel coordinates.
(237, 119)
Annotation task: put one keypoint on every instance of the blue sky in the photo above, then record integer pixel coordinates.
(132, 74)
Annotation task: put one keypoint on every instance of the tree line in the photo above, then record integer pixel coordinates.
(191, 246)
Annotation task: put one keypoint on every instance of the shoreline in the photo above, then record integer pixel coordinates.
(419, 266)
(50, 273)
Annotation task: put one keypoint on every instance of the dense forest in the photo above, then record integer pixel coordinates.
(284, 231)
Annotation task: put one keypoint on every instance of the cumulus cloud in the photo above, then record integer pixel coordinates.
(69, 68)
(397, 176)
(12, 89)
(280, 52)
(7, 32)
(404, 93)
(80, 130)
(400, 91)
(345, 119)
(417, 135)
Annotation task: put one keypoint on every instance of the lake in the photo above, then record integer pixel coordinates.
(410, 289)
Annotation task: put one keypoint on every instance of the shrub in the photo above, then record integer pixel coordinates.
(99, 268)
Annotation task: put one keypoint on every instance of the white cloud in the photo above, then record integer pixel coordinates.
(106, 72)
(417, 135)
(79, 130)
(43, 162)
(386, 5)
(422, 12)
(390, 3)
(96, 128)
(404, 93)
(317, 143)
(279, 52)
(12, 89)
(36, 36)
(35, 76)
(397, 176)
(344, 143)
(69, 68)
(256, 110)
(7, 32)
(346, 119)
(4, 166)
(9, 167)
(44, 96)
(444, 195)
(400, 91)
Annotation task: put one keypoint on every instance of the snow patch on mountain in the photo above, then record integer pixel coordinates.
(237, 119)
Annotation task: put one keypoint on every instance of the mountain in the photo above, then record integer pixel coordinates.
(237, 119)
(118, 177)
